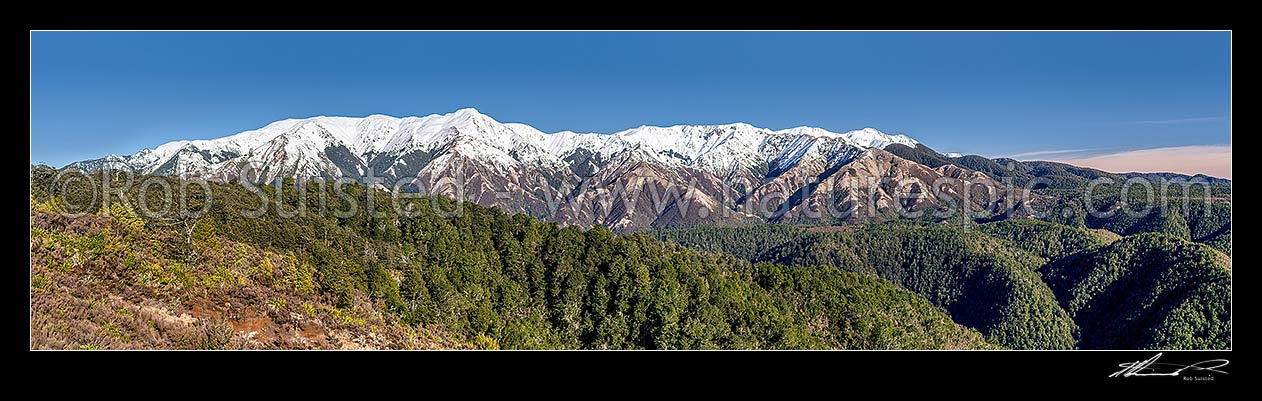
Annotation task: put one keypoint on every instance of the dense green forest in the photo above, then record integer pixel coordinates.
(360, 268)
(981, 282)
(1022, 284)
(1146, 291)
(460, 273)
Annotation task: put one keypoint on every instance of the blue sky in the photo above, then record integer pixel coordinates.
(990, 93)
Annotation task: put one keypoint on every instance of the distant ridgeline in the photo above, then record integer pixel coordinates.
(688, 175)
(1196, 208)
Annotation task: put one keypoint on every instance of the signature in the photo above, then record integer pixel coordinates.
(1150, 367)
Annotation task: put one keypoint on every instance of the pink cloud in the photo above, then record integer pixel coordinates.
(1212, 160)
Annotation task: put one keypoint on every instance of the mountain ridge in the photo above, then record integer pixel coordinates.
(378, 134)
(471, 156)
(642, 177)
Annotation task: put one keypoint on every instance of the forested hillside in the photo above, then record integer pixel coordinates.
(317, 269)
(446, 275)
(1146, 291)
(1022, 284)
(980, 281)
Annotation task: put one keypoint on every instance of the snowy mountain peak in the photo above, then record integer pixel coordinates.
(808, 131)
(863, 138)
(723, 164)
(873, 138)
(467, 111)
(338, 146)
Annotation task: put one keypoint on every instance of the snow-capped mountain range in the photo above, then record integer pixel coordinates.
(579, 178)
(348, 146)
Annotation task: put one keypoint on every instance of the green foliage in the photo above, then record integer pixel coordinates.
(510, 281)
(1047, 240)
(299, 275)
(222, 278)
(277, 303)
(204, 235)
(1144, 291)
(482, 341)
(1192, 219)
(1221, 241)
(179, 274)
(919, 154)
(745, 243)
(983, 283)
(112, 330)
(39, 282)
(1149, 291)
(125, 215)
(1168, 221)
(52, 205)
(147, 274)
(872, 313)
(264, 270)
